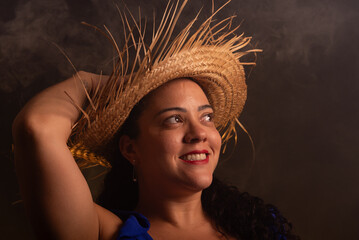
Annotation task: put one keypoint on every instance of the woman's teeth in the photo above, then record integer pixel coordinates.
(194, 157)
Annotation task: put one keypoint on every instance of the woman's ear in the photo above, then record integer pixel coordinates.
(127, 148)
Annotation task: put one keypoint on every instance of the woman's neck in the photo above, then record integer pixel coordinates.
(180, 209)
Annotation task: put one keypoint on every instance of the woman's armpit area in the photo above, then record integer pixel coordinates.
(109, 223)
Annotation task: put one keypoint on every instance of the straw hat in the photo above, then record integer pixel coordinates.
(209, 56)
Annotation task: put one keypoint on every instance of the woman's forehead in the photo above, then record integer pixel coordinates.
(177, 91)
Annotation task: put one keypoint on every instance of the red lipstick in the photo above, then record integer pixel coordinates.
(197, 157)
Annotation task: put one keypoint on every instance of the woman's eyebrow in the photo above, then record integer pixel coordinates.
(179, 109)
(200, 108)
(171, 109)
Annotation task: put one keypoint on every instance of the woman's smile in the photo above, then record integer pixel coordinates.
(196, 157)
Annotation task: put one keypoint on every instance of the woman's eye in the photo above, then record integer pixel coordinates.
(174, 119)
(208, 117)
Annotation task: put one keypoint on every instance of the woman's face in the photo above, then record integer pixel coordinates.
(178, 144)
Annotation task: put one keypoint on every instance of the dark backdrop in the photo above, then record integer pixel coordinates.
(302, 109)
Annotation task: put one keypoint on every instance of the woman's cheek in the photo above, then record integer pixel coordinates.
(216, 141)
(165, 144)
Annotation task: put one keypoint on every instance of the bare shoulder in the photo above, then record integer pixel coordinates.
(109, 223)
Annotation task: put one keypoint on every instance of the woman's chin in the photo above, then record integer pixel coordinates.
(199, 183)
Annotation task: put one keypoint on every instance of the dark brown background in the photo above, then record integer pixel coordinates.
(302, 109)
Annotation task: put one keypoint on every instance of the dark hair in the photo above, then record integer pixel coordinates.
(236, 214)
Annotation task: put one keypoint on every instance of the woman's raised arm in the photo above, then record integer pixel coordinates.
(55, 193)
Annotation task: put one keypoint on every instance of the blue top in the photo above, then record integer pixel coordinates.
(135, 226)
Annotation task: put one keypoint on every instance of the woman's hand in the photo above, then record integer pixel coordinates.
(55, 193)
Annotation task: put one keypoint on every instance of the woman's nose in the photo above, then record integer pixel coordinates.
(195, 133)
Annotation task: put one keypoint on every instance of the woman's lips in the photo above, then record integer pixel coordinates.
(196, 157)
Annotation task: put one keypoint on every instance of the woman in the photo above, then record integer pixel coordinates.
(164, 112)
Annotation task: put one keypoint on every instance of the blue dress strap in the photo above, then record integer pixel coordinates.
(135, 226)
